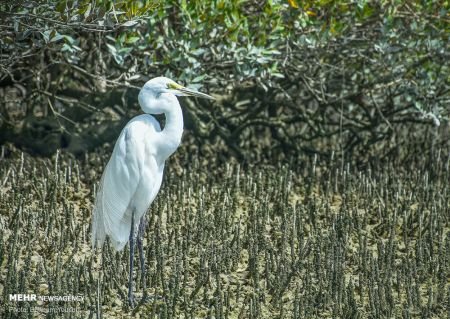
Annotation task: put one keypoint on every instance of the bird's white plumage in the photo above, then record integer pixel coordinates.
(133, 175)
(130, 181)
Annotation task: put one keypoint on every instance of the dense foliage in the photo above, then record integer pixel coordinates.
(362, 80)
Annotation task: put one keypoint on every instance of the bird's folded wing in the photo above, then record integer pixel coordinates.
(112, 211)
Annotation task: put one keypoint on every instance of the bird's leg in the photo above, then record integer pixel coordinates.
(130, 281)
(140, 239)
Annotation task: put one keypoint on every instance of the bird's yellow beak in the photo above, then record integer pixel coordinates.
(182, 91)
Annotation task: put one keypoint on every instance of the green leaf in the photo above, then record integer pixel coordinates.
(199, 78)
(56, 37)
(132, 40)
(46, 35)
(130, 23)
(69, 39)
(112, 49)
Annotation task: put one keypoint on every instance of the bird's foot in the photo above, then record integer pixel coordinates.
(145, 299)
(136, 301)
(131, 300)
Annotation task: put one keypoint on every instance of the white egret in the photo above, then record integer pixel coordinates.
(133, 175)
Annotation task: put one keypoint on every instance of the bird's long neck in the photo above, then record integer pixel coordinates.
(173, 129)
(170, 137)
